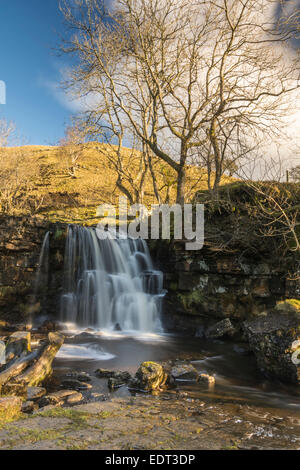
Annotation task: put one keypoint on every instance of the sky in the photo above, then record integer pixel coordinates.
(31, 70)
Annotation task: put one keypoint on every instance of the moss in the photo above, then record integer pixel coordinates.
(9, 415)
(59, 234)
(6, 291)
(189, 299)
(79, 418)
(289, 305)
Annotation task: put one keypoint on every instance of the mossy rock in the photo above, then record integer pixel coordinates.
(289, 306)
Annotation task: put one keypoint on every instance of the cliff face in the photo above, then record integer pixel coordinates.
(204, 286)
(21, 239)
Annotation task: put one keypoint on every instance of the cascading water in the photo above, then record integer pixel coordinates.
(110, 282)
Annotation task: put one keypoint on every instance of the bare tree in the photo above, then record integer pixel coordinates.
(214, 75)
(6, 131)
(72, 146)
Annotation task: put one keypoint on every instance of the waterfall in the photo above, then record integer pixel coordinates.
(110, 283)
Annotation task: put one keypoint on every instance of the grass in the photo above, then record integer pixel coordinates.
(58, 197)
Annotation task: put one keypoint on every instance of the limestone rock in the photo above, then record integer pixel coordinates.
(220, 329)
(207, 379)
(80, 376)
(74, 398)
(114, 383)
(150, 376)
(35, 393)
(124, 376)
(61, 397)
(75, 384)
(184, 372)
(29, 407)
(275, 340)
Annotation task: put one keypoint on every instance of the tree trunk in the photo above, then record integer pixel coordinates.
(36, 367)
(181, 186)
(42, 367)
(17, 367)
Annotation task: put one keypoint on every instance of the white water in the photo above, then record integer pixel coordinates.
(110, 282)
(84, 351)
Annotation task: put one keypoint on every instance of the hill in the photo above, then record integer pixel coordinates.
(37, 180)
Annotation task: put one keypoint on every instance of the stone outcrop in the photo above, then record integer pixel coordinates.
(204, 286)
(150, 377)
(185, 372)
(21, 239)
(275, 341)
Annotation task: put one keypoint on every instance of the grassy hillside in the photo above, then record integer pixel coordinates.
(50, 191)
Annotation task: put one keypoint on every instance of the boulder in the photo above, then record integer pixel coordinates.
(207, 379)
(150, 376)
(51, 325)
(185, 372)
(35, 393)
(275, 341)
(220, 329)
(29, 407)
(74, 384)
(73, 399)
(123, 377)
(114, 383)
(117, 327)
(80, 376)
(61, 397)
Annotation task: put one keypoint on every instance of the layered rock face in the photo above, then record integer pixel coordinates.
(204, 286)
(275, 341)
(20, 245)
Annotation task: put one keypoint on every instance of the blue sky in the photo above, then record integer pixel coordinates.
(31, 69)
(29, 31)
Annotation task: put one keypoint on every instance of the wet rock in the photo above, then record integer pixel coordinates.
(117, 327)
(150, 376)
(29, 407)
(207, 379)
(242, 350)
(220, 329)
(84, 335)
(114, 383)
(89, 330)
(184, 372)
(80, 376)
(73, 399)
(35, 393)
(46, 408)
(51, 325)
(51, 399)
(122, 376)
(61, 397)
(275, 341)
(75, 384)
